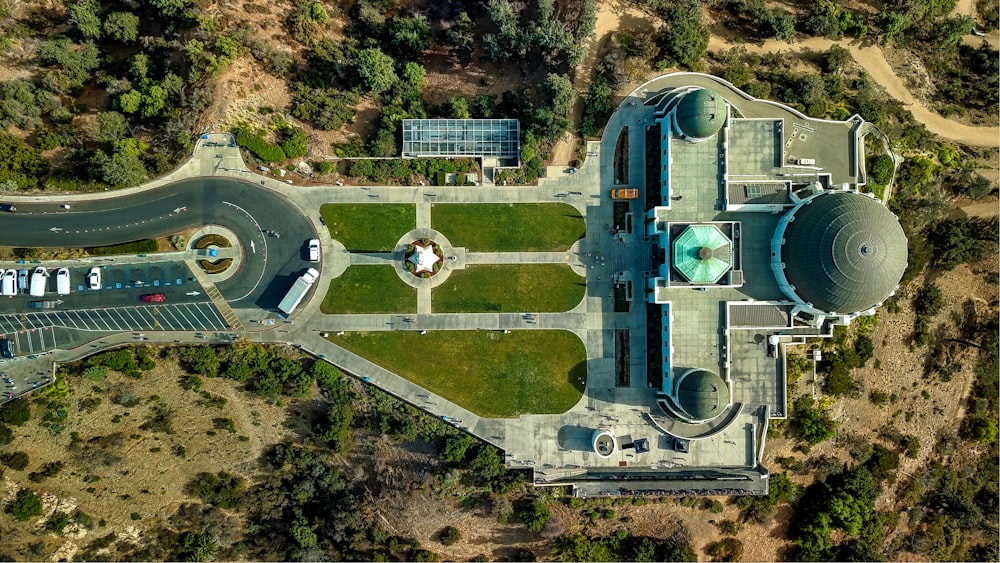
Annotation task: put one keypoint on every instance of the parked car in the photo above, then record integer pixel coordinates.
(94, 278)
(313, 249)
(153, 298)
(8, 207)
(6, 349)
(22, 280)
(62, 281)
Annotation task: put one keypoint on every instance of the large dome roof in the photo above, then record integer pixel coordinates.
(701, 113)
(702, 394)
(844, 252)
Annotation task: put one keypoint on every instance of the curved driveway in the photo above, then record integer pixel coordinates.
(269, 264)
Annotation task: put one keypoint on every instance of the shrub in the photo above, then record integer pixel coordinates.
(533, 514)
(726, 549)
(812, 424)
(16, 412)
(57, 522)
(450, 535)
(929, 300)
(25, 506)
(222, 490)
(136, 247)
(268, 152)
(6, 436)
(15, 460)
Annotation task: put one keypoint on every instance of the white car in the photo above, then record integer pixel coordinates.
(313, 250)
(94, 278)
(62, 281)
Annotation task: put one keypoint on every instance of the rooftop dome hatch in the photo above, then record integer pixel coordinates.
(700, 113)
(702, 394)
(844, 252)
(702, 254)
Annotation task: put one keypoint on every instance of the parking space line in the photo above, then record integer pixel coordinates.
(138, 320)
(99, 316)
(125, 324)
(194, 318)
(142, 313)
(198, 316)
(171, 310)
(31, 349)
(215, 313)
(187, 323)
(65, 316)
(135, 323)
(204, 317)
(80, 317)
(110, 315)
(148, 317)
(88, 323)
(41, 338)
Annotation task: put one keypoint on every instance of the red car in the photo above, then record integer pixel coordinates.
(153, 298)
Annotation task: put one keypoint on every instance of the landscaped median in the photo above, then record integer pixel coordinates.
(488, 372)
(507, 288)
(372, 227)
(505, 227)
(369, 289)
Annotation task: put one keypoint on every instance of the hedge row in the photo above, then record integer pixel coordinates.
(259, 147)
(135, 247)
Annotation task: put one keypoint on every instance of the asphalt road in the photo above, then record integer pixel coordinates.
(270, 264)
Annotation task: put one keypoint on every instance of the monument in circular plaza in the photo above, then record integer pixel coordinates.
(604, 442)
(423, 258)
(841, 253)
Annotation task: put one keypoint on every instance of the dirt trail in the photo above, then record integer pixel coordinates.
(872, 60)
(609, 16)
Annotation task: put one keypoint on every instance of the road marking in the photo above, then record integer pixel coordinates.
(215, 313)
(264, 243)
(129, 312)
(198, 317)
(77, 313)
(110, 315)
(170, 310)
(103, 318)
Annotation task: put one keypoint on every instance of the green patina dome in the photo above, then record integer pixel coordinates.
(702, 394)
(702, 254)
(701, 113)
(844, 252)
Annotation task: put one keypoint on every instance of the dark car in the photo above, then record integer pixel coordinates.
(8, 207)
(6, 348)
(153, 298)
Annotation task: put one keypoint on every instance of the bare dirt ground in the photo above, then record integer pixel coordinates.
(137, 470)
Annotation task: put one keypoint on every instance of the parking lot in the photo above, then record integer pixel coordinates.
(121, 285)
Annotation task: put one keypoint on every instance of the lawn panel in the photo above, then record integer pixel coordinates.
(369, 227)
(369, 289)
(492, 374)
(504, 227)
(486, 288)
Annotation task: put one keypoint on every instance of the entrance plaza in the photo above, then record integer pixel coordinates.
(752, 235)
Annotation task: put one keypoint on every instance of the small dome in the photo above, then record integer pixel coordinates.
(702, 394)
(700, 113)
(844, 252)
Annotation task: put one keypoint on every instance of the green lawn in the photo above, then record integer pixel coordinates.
(369, 289)
(490, 373)
(369, 227)
(503, 227)
(509, 288)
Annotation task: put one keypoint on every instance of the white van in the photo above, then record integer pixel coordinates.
(313, 249)
(62, 281)
(39, 279)
(8, 284)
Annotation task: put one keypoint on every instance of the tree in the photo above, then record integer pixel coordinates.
(450, 535)
(408, 36)
(685, 37)
(812, 424)
(597, 108)
(456, 108)
(6, 436)
(86, 16)
(455, 448)
(486, 465)
(559, 90)
(15, 460)
(460, 35)
(123, 26)
(375, 69)
(534, 514)
(882, 167)
(929, 300)
(120, 169)
(414, 75)
(16, 412)
(19, 162)
(171, 8)
(823, 19)
(25, 506)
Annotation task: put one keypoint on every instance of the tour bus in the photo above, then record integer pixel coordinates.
(39, 278)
